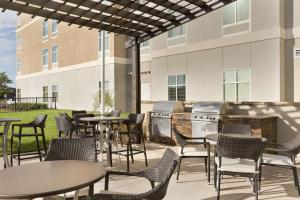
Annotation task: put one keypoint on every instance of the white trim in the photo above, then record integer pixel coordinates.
(95, 63)
(28, 24)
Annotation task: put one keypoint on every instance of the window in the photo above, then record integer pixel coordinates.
(18, 66)
(45, 94)
(236, 12)
(18, 93)
(55, 92)
(54, 27)
(45, 29)
(177, 87)
(45, 59)
(237, 85)
(106, 41)
(54, 54)
(18, 42)
(178, 31)
(145, 44)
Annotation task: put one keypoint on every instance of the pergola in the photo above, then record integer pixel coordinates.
(141, 20)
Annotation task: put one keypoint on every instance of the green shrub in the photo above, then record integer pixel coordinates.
(27, 106)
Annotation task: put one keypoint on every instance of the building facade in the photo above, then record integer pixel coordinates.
(246, 51)
(58, 60)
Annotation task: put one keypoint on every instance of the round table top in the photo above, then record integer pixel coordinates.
(10, 119)
(98, 119)
(48, 178)
(214, 137)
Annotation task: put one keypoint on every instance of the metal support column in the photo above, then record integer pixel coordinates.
(137, 76)
(103, 71)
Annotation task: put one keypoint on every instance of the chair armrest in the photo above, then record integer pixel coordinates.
(119, 173)
(279, 150)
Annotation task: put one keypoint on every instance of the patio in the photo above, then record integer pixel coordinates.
(193, 184)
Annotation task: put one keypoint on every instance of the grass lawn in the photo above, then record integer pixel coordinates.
(28, 144)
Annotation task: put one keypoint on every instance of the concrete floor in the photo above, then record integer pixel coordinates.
(276, 184)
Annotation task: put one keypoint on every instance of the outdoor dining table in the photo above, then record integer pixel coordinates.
(7, 122)
(49, 178)
(109, 121)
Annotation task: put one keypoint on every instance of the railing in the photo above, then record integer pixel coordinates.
(27, 103)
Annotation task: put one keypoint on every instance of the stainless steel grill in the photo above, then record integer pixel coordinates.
(206, 117)
(161, 117)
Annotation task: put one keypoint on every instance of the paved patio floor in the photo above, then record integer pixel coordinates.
(276, 184)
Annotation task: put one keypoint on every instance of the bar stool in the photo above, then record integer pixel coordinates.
(38, 122)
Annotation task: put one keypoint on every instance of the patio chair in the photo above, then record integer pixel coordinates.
(134, 134)
(38, 122)
(64, 126)
(159, 176)
(232, 128)
(188, 150)
(76, 112)
(83, 127)
(238, 156)
(283, 156)
(72, 149)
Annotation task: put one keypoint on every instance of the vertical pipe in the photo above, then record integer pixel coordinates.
(103, 71)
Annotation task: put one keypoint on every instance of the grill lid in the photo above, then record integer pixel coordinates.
(168, 106)
(210, 107)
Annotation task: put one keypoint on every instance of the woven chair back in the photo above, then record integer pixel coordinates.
(232, 128)
(40, 121)
(72, 149)
(239, 147)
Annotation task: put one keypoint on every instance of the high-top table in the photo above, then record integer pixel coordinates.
(109, 121)
(49, 178)
(7, 122)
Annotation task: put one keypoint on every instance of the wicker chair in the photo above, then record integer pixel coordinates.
(238, 156)
(191, 151)
(38, 122)
(283, 156)
(72, 149)
(64, 126)
(84, 127)
(231, 128)
(134, 133)
(76, 112)
(159, 174)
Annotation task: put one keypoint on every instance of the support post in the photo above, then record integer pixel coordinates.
(136, 77)
(103, 71)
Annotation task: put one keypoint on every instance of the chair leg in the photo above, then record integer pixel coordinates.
(11, 150)
(259, 177)
(178, 168)
(219, 184)
(38, 144)
(19, 150)
(145, 153)
(127, 156)
(130, 148)
(255, 187)
(44, 140)
(296, 180)
(205, 163)
(215, 175)
(208, 169)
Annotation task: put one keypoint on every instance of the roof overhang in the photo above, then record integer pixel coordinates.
(140, 19)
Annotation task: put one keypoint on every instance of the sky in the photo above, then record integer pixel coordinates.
(8, 44)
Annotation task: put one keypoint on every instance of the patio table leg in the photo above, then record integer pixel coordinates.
(91, 190)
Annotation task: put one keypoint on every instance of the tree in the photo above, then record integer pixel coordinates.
(5, 89)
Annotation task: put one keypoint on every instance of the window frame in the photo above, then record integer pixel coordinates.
(45, 25)
(19, 66)
(18, 93)
(45, 66)
(54, 33)
(45, 97)
(107, 34)
(52, 55)
(54, 92)
(19, 42)
(236, 82)
(177, 85)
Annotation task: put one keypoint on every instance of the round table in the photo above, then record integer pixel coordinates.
(7, 122)
(101, 120)
(49, 178)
